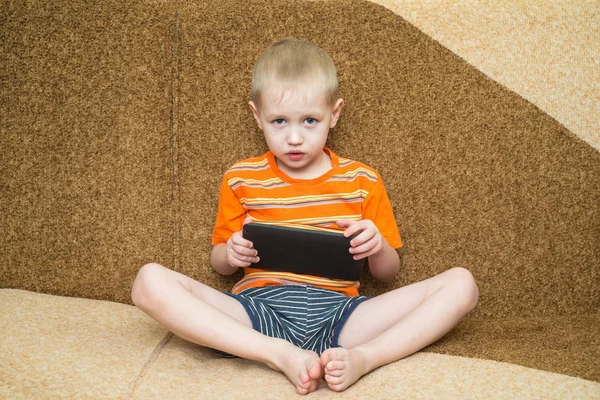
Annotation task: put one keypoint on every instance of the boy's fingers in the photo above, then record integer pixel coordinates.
(352, 226)
(245, 251)
(363, 251)
(247, 220)
(343, 223)
(363, 248)
(243, 261)
(240, 241)
(367, 249)
(363, 255)
(244, 243)
(360, 239)
(346, 223)
(247, 261)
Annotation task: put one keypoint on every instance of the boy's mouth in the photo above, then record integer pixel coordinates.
(295, 155)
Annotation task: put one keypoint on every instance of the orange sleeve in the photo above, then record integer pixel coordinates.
(377, 208)
(230, 215)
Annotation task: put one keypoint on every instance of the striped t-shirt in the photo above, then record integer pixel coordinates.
(257, 188)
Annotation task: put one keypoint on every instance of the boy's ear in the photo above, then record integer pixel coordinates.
(256, 114)
(337, 109)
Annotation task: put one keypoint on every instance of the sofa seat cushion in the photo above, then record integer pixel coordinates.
(59, 347)
(184, 370)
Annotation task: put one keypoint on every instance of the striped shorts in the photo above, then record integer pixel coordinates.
(308, 317)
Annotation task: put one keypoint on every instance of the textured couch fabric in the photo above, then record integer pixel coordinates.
(59, 347)
(119, 119)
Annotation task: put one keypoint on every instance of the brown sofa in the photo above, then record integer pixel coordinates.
(119, 119)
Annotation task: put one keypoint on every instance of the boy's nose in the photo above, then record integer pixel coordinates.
(294, 136)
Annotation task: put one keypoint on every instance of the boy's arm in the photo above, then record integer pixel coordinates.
(384, 266)
(218, 260)
(384, 262)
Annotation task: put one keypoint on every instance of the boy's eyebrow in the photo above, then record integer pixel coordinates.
(310, 114)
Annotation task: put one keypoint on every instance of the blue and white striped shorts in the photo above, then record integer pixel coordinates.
(308, 317)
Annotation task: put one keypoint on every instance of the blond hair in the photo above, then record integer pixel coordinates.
(291, 61)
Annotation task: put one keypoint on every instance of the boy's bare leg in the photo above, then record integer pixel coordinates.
(397, 324)
(203, 315)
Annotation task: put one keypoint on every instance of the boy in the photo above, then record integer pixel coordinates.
(305, 326)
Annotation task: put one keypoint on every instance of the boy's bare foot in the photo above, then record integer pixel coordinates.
(343, 367)
(302, 367)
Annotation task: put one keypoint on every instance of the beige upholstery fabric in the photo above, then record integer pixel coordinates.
(58, 347)
(189, 371)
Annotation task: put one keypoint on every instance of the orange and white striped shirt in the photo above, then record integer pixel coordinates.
(257, 188)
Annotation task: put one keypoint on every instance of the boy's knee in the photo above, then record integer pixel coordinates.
(145, 283)
(465, 284)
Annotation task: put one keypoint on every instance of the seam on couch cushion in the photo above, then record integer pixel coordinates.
(174, 198)
(155, 353)
(174, 146)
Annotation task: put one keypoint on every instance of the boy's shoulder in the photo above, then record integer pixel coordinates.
(352, 168)
(251, 164)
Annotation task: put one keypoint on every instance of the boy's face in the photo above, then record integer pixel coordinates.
(296, 122)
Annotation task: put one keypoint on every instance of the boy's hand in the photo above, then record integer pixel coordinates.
(369, 240)
(240, 252)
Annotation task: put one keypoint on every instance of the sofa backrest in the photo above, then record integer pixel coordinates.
(86, 155)
(119, 119)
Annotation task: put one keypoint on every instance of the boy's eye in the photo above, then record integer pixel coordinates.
(310, 121)
(279, 121)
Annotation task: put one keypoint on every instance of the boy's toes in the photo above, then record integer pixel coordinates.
(337, 388)
(315, 371)
(336, 364)
(333, 354)
(309, 379)
(333, 380)
(303, 379)
(313, 385)
(334, 372)
(326, 357)
(303, 385)
(307, 384)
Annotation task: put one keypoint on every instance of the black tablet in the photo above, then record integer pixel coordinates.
(303, 251)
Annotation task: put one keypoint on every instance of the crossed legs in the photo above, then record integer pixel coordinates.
(397, 324)
(381, 330)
